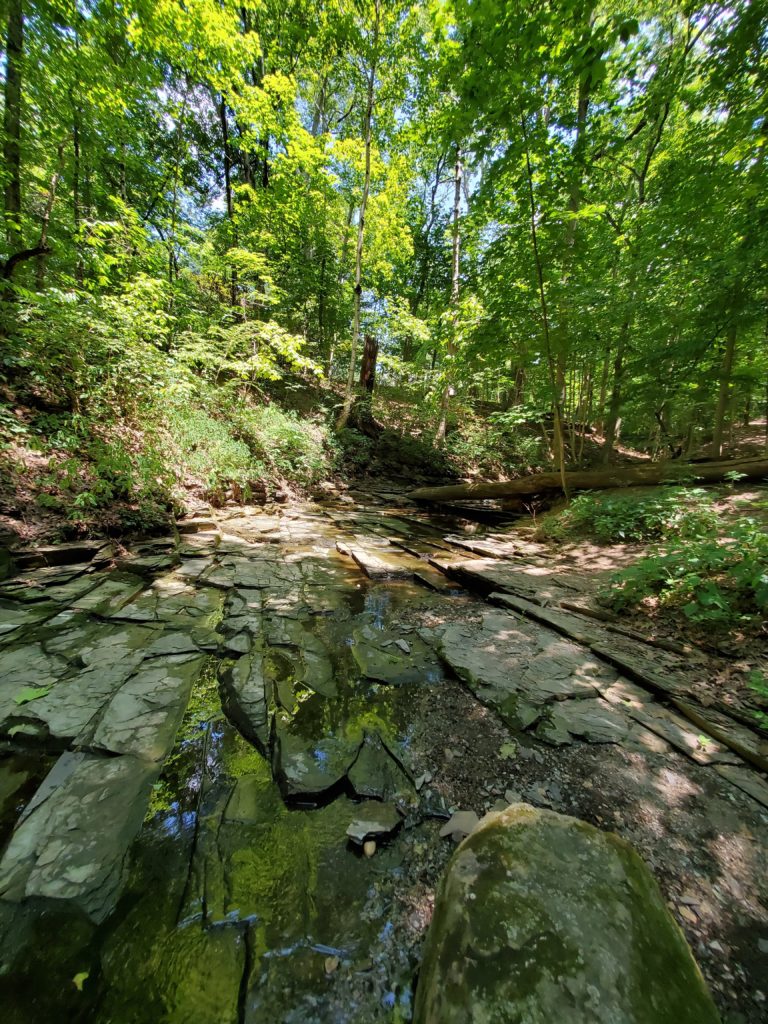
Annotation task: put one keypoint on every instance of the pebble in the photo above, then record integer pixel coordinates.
(460, 825)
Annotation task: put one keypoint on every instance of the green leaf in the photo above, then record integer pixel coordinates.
(30, 693)
(79, 980)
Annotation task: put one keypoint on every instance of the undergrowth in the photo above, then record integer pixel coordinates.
(712, 570)
(106, 474)
(685, 512)
(718, 579)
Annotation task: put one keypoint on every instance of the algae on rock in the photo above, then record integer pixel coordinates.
(542, 917)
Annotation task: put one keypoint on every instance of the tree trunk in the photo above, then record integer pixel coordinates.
(557, 407)
(229, 195)
(724, 392)
(368, 364)
(14, 50)
(79, 268)
(349, 397)
(603, 396)
(455, 286)
(614, 408)
(648, 474)
(46, 219)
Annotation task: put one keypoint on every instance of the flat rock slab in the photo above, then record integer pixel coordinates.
(485, 547)
(652, 668)
(298, 657)
(63, 589)
(88, 665)
(147, 565)
(191, 569)
(682, 734)
(261, 571)
(28, 665)
(246, 697)
(594, 720)
(308, 766)
(378, 563)
(199, 525)
(377, 774)
(113, 592)
(435, 580)
(536, 583)
(736, 737)
(519, 667)
(746, 780)
(71, 841)
(144, 715)
(373, 820)
(459, 825)
(541, 918)
(242, 613)
(15, 615)
(387, 658)
(328, 569)
(583, 632)
(66, 713)
(174, 600)
(199, 545)
(63, 554)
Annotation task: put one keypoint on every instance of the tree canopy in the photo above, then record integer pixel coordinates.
(553, 213)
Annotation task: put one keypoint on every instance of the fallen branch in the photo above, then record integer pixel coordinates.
(647, 474)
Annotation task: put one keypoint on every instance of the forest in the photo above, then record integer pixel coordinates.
(384, 511)
(539, 230)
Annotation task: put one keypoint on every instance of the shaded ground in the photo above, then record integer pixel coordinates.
(242, 898)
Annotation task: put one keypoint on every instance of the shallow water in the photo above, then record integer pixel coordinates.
(242, 901)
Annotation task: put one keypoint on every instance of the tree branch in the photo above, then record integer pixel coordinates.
(20, 257)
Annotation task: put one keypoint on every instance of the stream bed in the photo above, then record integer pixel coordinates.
(227, 758)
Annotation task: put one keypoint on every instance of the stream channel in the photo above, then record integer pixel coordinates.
(216, 766)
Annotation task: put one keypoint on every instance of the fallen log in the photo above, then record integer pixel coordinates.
(597, 479)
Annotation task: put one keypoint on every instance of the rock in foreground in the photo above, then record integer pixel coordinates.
(544, 918)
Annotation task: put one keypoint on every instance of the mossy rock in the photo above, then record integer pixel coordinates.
(542, 918)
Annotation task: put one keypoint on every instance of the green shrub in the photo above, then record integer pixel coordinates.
(221, 439)
(490, 449)
(205, 449)
(716, 580)
(610, 518)
(96, 355)
(355, 450)
(93, 466)
(291, 448)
